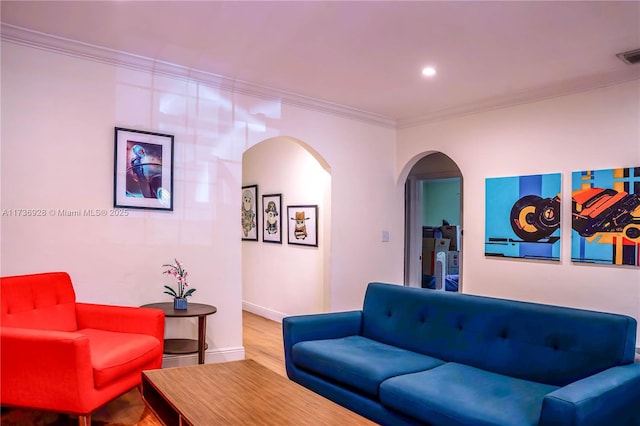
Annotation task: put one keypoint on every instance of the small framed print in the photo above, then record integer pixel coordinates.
(143, 170)
(272, 218)
(249, 213)
(302, 228)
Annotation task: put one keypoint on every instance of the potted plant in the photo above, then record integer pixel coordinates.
(179, 296)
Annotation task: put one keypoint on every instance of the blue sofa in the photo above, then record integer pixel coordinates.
(416, 356)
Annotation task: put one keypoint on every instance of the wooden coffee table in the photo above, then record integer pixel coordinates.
(237, 393)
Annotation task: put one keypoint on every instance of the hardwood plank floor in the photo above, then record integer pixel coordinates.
(262, 340)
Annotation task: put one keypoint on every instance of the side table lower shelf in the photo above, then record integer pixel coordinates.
(182, 346)
(187, 346)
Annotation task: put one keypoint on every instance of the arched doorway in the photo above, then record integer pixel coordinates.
(433, 223)
(298, 175)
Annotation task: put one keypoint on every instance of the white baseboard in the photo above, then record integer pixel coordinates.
(263, 312)
(210, 357)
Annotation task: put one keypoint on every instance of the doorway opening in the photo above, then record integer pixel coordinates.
(290, 173)
(433, 224)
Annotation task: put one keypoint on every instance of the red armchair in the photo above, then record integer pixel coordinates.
(70, 357)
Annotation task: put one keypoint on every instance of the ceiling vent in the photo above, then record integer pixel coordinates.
(630, 57)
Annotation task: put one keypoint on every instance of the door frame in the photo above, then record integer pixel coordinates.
(413, 232)
(413, 225)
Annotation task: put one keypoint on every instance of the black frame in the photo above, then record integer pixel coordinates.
(267, 235)
(248, 234)
(155, 193)
(295, 236)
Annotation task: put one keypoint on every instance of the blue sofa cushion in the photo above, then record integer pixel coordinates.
(542, 343)
(456, 394)
(358, 362)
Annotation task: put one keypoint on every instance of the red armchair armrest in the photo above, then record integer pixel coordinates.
(123, 319)
(43, 368)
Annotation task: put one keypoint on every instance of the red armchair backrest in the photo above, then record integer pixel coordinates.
(39, 301)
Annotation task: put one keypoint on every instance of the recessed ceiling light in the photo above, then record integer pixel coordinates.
(428, 71)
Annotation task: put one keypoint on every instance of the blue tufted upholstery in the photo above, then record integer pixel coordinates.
(417, 356)
(547, 344)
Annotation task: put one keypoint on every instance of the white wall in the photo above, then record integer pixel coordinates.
(599, 129)
(58, 114)
(365, 200)
(58, 119)
(283, 279)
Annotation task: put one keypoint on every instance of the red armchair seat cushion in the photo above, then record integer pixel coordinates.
(114, 355)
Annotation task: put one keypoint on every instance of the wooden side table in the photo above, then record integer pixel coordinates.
(187, 346)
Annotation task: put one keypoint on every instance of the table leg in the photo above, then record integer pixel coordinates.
(202, 337)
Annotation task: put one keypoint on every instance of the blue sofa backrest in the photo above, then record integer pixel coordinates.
(543, 343)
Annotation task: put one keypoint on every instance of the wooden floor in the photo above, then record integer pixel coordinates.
(262, 340)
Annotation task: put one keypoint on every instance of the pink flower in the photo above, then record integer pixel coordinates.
(178, 271)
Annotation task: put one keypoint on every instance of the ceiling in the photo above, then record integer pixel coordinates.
(365, 55)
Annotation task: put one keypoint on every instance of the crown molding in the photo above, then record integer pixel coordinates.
(565, 88)
(26, 37)
(35, 39)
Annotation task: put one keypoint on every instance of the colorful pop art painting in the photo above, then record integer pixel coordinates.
(523, 216)
(606, 216)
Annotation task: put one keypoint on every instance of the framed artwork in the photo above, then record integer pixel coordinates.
(143, 170)
(249, 213)
(522, 217)
(272, 218)
(605, 216)
(302, 225)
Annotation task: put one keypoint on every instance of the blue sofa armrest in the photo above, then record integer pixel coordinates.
(606, 398)
(331, 325)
